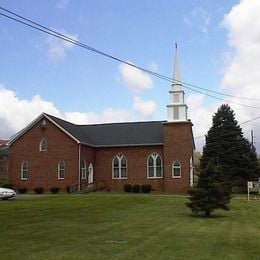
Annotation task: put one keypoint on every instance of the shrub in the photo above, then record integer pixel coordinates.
(54, 189)
(8, 185)
(3, 181)
(38, 190)
(136, 188)
(22, 190)
(68, 189)
(238, 190)
(146, 188)
(128, 187)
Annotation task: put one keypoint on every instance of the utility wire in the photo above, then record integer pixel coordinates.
(245, 122)
(56, 34)
(253, 119)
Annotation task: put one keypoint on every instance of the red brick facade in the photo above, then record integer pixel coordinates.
(3, 166)
(3, 159)
(43, 165)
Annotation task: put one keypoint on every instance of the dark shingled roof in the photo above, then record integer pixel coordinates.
(115, 134)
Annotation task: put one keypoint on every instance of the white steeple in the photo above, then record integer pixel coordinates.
(177, 109)
(176, 76)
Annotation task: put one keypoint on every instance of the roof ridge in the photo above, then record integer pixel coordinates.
(55, 117)
(124, 123)
(109, 123)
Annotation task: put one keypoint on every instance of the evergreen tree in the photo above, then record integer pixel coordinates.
(210, 193)
(227, 147)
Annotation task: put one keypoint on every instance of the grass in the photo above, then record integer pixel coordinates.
(122, 226)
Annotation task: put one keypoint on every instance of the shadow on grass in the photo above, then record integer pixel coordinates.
(202, 216)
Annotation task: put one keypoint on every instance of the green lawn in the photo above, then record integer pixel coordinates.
(122, 226)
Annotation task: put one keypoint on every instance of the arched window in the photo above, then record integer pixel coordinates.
(90, 173)
(61, 170)
(43, 145)
(119, 167)
(176, 169)
(154, 166)
(24, 171)
(83, 169)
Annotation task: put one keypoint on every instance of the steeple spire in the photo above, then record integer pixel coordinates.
(177, 109)
(176, 77)
(176, 69)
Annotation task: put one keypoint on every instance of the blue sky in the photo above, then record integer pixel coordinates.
(39, 73)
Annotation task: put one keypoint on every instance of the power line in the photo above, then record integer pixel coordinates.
(245, 122)
(253, 119)
(56, 34)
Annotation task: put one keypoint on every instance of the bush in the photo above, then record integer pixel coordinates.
(68, 189)
(146, 188)
(22, 190)
(3, 181)
(8, 185)
(54, 190)
(238, 190)
(136, 188)
(128, 187)
(38, 190)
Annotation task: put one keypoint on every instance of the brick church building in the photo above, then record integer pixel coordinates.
(51, 152)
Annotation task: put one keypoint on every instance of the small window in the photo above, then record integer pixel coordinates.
(61, 170)
(154, 166)
(176, 113)
(176, 170)
(24, 171)
(176, 98)
(43, 145)
(83, 170)
(90, 173)
(119, 167)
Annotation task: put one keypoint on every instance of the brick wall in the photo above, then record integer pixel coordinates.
(3, 166)
(177, 146)
(136, 166)
(43, 166)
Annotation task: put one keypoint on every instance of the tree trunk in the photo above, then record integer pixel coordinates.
(207, 213)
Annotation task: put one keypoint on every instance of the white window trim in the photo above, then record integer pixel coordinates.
(90, 173)
(40, 146)
(83, 174)
(154, 156)
(59, 178)
(174, 167)
(22, 172)
(119, 157)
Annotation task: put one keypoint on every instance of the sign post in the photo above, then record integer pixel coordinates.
(253, 186)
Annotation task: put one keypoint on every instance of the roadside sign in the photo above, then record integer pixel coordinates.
(253, 186)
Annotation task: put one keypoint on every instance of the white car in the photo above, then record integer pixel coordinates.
(6, 194)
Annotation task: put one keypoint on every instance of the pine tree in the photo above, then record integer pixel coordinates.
(211, 193)
(227, 147)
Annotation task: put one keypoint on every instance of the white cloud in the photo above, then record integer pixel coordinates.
(201, 117)
(145, 108)
(136, 80)
(57, 47)
(16, 113)
(241, 77)
(198, 19)
(107, 116)
(154, 67)
(62, 4)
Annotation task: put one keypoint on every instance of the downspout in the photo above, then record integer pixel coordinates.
(79, 167)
